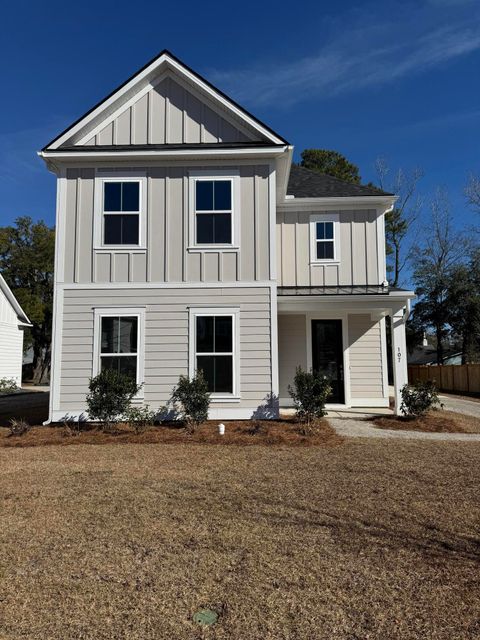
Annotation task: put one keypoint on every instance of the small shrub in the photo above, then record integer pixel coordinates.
(71, 427)
(18, 427)
(257, 428)
(110, 396)
(7, 385)
(194, 399)
(139, 418)
(419, 398)
(309, 394)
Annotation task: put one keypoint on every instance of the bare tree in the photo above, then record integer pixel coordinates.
(441, 250)
(472, 191)
(400, 220)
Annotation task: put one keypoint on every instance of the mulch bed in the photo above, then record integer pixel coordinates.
(241, 432)
(439, 421)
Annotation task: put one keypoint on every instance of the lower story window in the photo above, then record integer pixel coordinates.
(119, 341)
(119, 344)
(214, 351)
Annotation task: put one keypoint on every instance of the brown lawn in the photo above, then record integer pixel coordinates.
(439, 421)
(368, 539)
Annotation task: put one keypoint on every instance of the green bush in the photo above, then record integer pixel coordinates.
(309, 394)
(139, 418)
(419, 398)
(194, 400)
(110, 396)
(7, 385)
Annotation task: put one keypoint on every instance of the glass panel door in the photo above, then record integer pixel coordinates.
(327, 355)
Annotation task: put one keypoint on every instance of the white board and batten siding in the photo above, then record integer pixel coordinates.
(170, 113)
(361, 254)
(167, 256)
(12, 323)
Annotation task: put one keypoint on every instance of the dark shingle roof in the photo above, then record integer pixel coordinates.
(305, 183)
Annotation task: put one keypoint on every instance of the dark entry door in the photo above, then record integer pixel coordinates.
(327, 355)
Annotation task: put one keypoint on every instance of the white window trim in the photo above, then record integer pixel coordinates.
(120, 176)
(325, 217)
(109, 312)
(214, 174)
(234, 312)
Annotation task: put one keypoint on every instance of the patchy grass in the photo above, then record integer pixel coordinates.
(371, 539)
(242, 432)
(439, 421)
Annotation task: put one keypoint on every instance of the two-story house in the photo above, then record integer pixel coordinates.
(187, 240)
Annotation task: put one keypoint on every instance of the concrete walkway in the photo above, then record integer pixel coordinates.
(461, 405)
(355, 424)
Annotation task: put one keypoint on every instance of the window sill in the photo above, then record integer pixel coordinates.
(229, 398)
(316, 263)
(213, 248)
(123, 248)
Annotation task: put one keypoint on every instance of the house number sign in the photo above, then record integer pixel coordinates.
(399, 354)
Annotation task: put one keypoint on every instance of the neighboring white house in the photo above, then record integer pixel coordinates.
(13, 321)
(186, 239)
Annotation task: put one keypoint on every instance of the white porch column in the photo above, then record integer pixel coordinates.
(399, 348)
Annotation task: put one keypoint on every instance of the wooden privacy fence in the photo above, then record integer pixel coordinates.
(459, 378)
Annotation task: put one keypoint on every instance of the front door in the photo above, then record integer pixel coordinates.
(327, 355)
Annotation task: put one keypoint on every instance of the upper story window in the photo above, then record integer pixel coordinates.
(214, 209)
(121, 213)
(120, 207)
(325, 241)
(324, 238)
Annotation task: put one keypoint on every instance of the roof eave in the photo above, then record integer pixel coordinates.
(309, 203)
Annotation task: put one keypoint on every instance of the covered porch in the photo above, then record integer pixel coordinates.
(342, 332)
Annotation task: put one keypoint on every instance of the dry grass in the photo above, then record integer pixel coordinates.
(371, 539)
(246, 432)
(439, 421)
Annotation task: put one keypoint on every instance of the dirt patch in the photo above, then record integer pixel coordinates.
(365, 540)
(241, 432)
(440, 421)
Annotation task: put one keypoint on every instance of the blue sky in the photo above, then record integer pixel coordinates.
(392, 79)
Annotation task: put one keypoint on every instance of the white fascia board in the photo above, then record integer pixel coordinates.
(250, 152)
(144, 77)
(314, 204)
(21, 315)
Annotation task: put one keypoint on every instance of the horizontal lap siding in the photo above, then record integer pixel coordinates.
(366, 368)
(166, 339)
(11, 351)
(292, 349)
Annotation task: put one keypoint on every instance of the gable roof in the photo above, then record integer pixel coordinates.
(22, 316)
(142, 78)
(305, 183)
